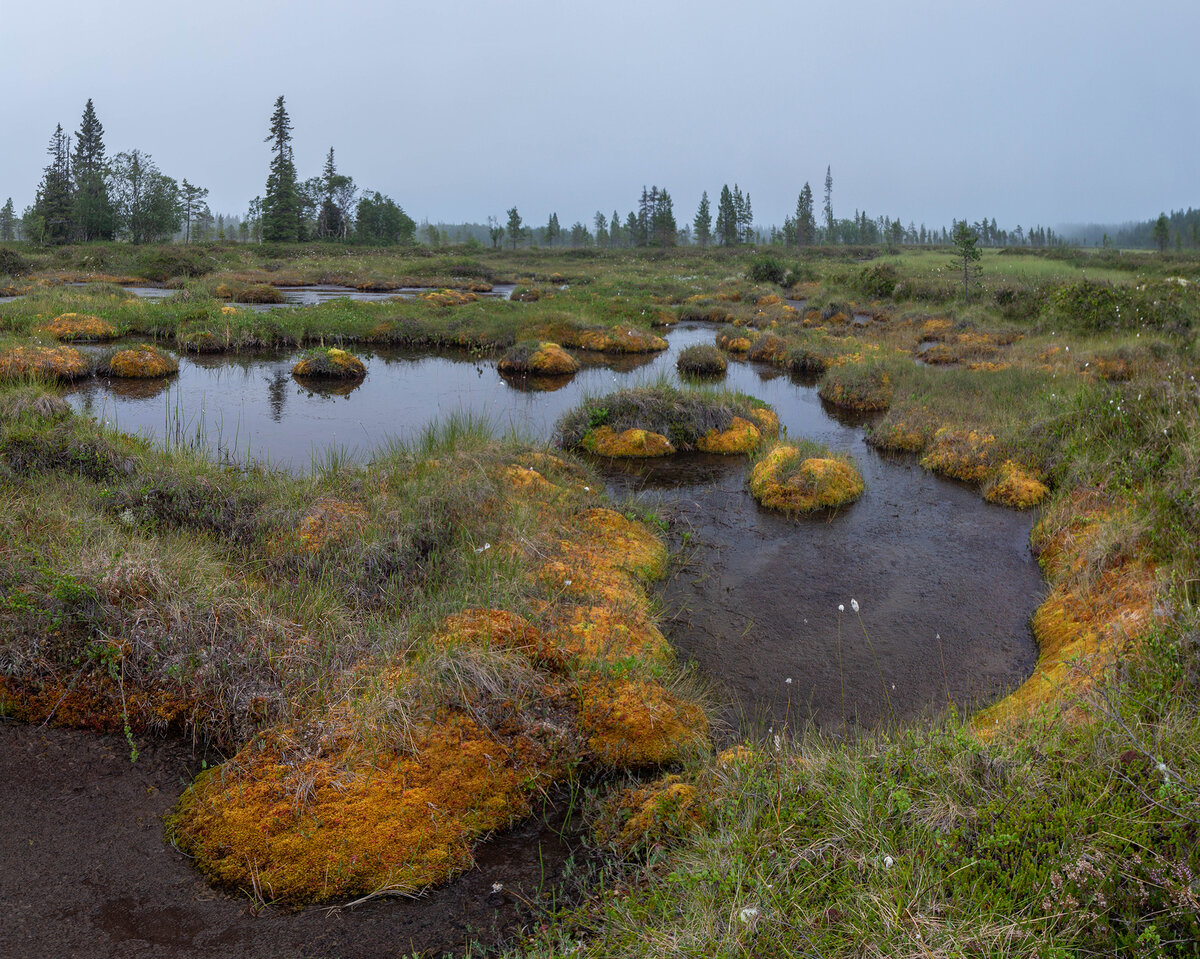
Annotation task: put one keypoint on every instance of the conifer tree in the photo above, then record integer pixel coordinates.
(828, 204)
(662, 226)
(515, 230)
(601, 223)
(8, 221)
(806, 224)
(746, 220)
(92, 208)
(53, 206)
(281, 205)
(191, 202)
(702, 224)
(727, 223)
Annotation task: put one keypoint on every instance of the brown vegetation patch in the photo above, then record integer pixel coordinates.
(786, 480)
(1014, 486)
(741, 436)
(635, 443)
(53, 363)
(78, 326)
(141, 362)
(545, 359)
(631, 722)
(962, 454)
(332, 363)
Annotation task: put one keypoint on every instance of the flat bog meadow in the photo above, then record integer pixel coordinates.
(697, 601)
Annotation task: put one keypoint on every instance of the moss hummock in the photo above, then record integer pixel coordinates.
(330, 363)
(78, 326)
(540, 359)
(53, 363)
(140, 362)
(804, 478)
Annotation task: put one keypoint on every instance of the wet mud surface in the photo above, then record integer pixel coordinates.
(87, 873)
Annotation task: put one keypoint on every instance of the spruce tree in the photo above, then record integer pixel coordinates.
(330, 220)
(746, 220)
(702, 224)
(662, 226)
(281, 205)
(601, 222)
(8, 221)
(614, 229)
(806, 224)
(93, 212)
(828, 204)
(727, 224)
(515, 230)
(53, 205)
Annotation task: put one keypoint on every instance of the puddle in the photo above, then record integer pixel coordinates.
(312, 295)
(945, 581)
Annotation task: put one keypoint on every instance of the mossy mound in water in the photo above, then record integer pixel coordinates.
(141, 362)
(733, 341)
(331, 363)
(702, 361)
(801, 478)
(863, 387)
(630, 443)
(53, 363)
(78, 326)
(540, 359)
(659, 420)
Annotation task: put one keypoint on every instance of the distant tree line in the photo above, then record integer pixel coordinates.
(85, 195)
(1177, 230)
(328, 207)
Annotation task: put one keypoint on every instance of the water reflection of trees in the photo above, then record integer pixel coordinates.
(277, 387)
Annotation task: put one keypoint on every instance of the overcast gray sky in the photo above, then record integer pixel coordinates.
(1047, 111)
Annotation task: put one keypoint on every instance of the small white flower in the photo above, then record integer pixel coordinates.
(1162, 768)
(497, 887)
(888, 862)
(854, 605)
(748, 913)
(841, 608)
(788, 681)
(566, 582)
(587, 489)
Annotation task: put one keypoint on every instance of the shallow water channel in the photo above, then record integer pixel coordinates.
(945, 582)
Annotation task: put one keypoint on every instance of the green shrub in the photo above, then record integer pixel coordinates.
(766, 269)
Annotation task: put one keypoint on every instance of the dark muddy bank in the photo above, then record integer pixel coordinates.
(87, 874)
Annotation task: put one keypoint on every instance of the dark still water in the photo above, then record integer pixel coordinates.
(945, 582)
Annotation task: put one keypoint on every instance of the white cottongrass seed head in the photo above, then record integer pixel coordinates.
(854, 605)
(841, 607)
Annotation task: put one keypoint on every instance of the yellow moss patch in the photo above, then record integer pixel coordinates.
(449, 297)
(782, 480)
(604, 441)
(607, 560)
(1081, 632)
(741, 436)
(765, 419)
(733, 342)
(638, 723)
(871, 390)
(549, 359)
(529, 480)
(962, 454)
(601, 633)
(1014, 486)
(936, 329)
(333, 363)
(78, 326)
(646, 815)
(230, 311)
(298, 830)
(62, 362)
(769, 348)
(142, 362)
(249, 293)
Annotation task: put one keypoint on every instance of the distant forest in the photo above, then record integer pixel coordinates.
(86, 195)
